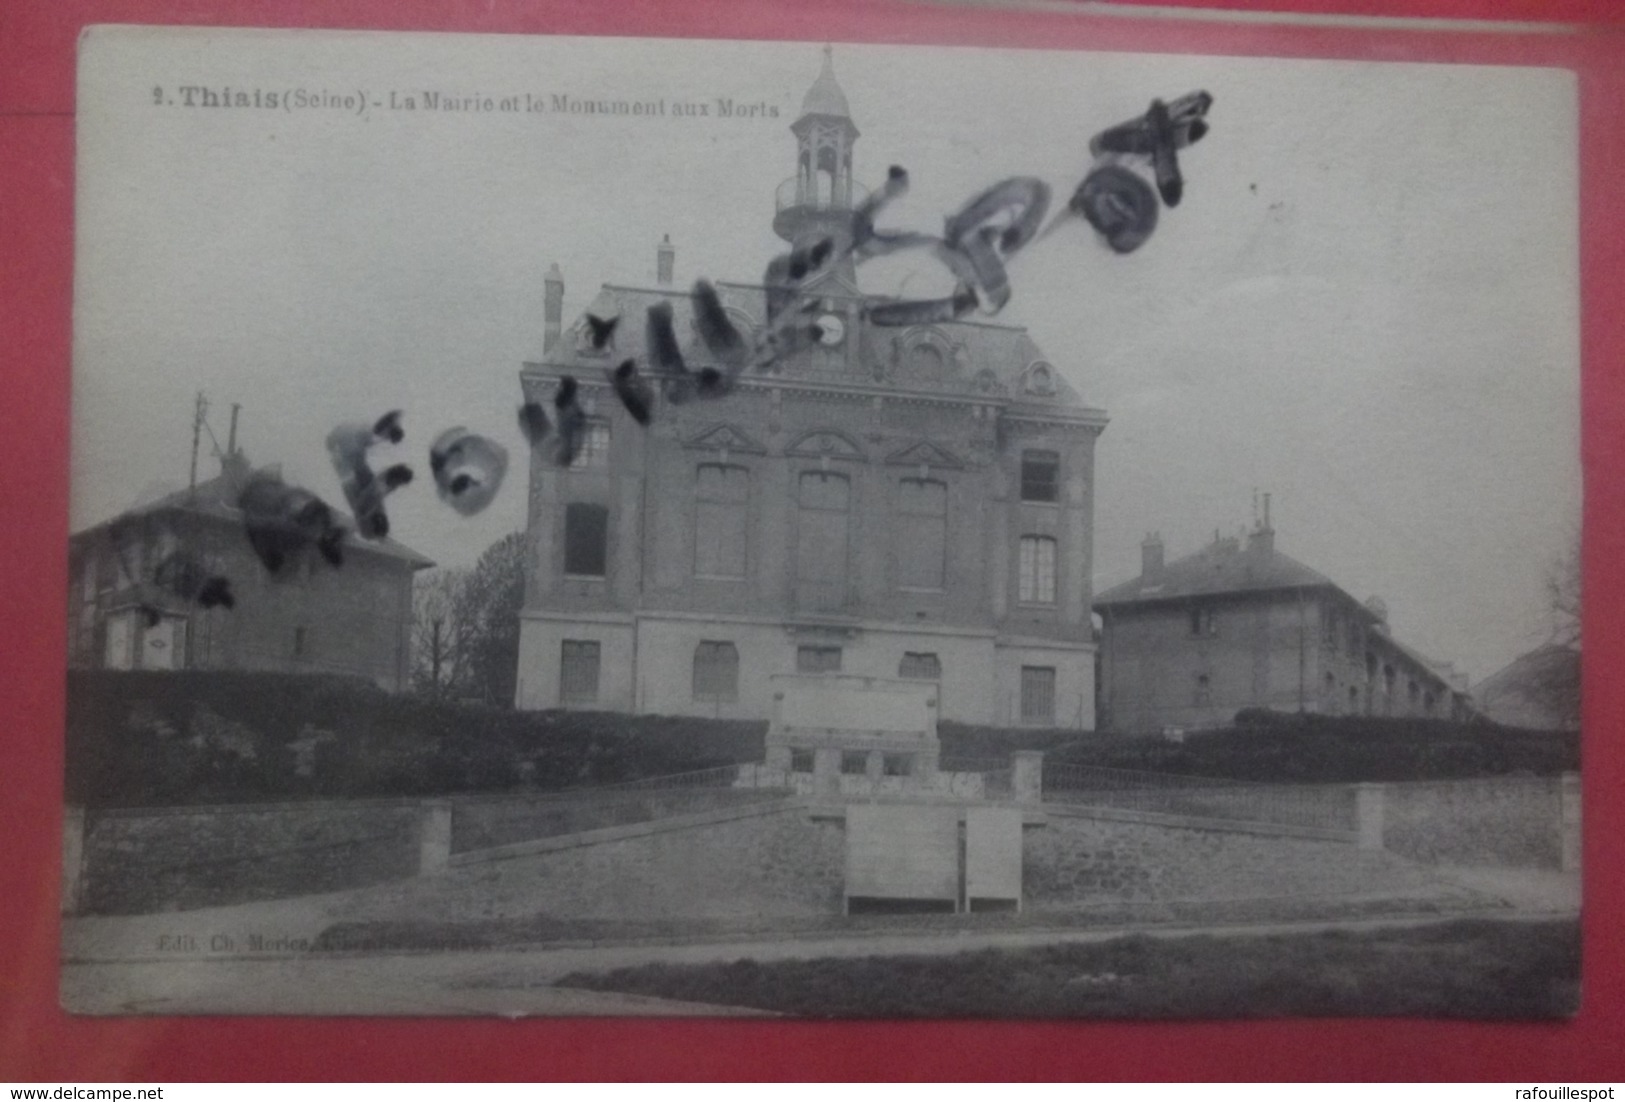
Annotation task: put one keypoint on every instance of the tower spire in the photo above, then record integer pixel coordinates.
(819, 198)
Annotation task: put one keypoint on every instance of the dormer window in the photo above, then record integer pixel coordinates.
(1040, 380)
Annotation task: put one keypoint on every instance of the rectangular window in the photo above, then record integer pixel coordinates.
(1038, 694)
(818, 659)
(1204, 689)
(1037, 564)
(854, 762)
(128, 557)
(897, 765)
(920, 666)
(586, 540)
(594, 447)
(1202, 622)
(716, 671)
(1040, 476)
(821, 533)
(721, 500)
(801, 761)
(300, 640)
(921, 533)
(578, 671)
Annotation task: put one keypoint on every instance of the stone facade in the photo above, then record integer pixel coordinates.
(889, 502)
(1190, 643)
(313, 618)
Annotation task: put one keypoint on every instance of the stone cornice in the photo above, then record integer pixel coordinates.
(858, 391)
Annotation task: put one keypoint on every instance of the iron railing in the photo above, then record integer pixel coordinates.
(1321, 807)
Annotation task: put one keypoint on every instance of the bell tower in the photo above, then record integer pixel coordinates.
(819, 198)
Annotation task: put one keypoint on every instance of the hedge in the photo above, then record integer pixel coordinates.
(148, 738)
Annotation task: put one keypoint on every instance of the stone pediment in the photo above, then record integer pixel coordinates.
(826, 442)
(927, 454)
(726, 438)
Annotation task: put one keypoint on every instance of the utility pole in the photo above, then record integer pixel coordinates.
(197, 428)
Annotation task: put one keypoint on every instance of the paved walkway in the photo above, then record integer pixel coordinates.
(519, 982)
(252, 959)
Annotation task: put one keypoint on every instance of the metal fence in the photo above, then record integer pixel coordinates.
(1322, 807)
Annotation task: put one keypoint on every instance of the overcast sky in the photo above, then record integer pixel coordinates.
(1367, 303)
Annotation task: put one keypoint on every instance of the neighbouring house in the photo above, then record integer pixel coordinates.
(892, 502)
(354, 619)
(1539, 690)
(1191, 642)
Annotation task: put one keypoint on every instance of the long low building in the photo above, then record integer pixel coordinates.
(1189, 643)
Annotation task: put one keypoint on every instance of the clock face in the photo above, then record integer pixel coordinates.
(831, 330)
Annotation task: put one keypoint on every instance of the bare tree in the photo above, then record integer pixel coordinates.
(1555, 681)
(440, 631)
(488, 604)
(1563, 598)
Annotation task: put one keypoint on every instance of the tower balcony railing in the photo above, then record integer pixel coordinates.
(818, 193)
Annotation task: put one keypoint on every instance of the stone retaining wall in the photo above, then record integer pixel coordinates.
(776, 863)
(1495, 821)
(1081, 860)
(136, 863)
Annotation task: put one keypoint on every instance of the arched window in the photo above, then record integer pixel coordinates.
(822, 501)
(1036, 581)
(721, 503)
(716, 671)
(925, 360)
(921, 533)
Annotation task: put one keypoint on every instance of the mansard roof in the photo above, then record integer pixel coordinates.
(977, 358)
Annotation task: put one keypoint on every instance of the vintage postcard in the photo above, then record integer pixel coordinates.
(577, 526)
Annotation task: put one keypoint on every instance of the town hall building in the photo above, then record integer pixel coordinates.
(909, 503)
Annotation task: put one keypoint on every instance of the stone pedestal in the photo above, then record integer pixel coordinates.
(1368, 813)
(434, 837)
(1027, 776)
(827, 771)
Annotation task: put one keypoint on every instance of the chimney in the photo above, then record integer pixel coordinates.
(553, 316)
(231, 440)
(235, 469)
(1151, 559)
(665, 257)
(1262, 539)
